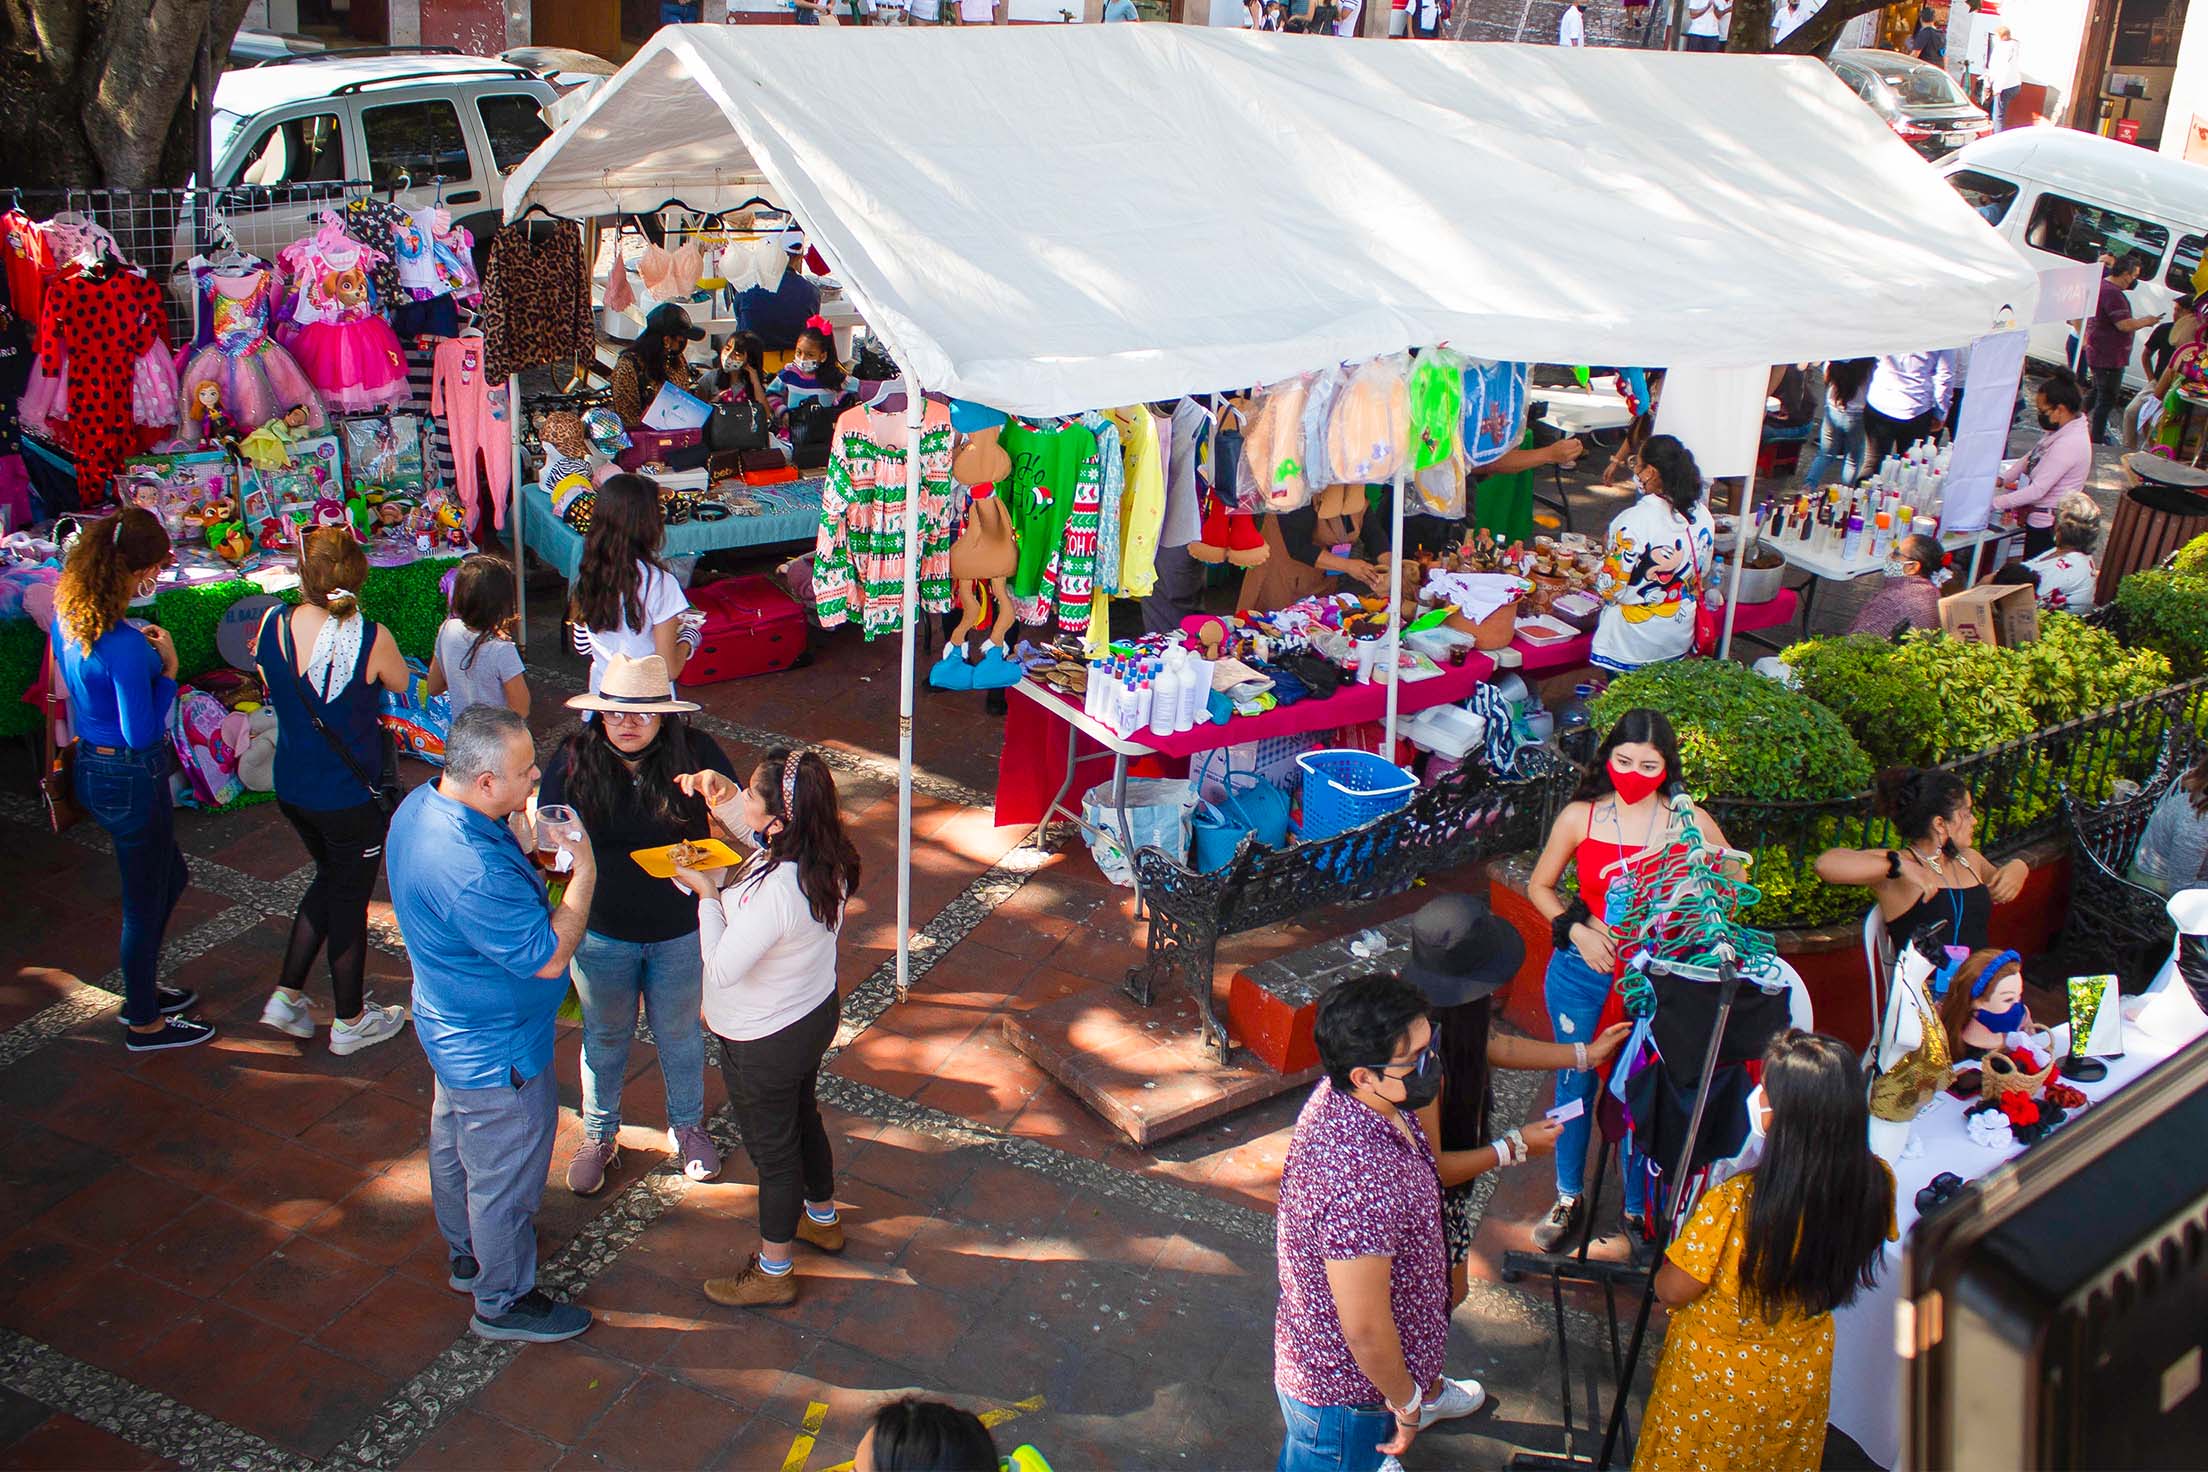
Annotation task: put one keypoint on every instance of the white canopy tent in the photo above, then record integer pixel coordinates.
(1049, 220)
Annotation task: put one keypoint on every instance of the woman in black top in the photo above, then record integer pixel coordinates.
(618, 773)
(1935, 874)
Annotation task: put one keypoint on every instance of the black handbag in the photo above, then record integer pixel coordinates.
(739, 425)
(384, 790)
(812, 428)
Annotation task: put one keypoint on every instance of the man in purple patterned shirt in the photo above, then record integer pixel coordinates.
(1364, 1277)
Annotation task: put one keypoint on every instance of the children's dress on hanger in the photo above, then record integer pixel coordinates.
(258, 378)
(99, 322)
(348, 350)
(473, 406)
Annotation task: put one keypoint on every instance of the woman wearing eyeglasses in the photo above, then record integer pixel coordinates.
(624, 774)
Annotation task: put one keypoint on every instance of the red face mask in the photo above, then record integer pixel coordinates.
(1634, 785)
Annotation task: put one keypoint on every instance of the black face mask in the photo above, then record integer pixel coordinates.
(2046, 420)
(1422, 1085)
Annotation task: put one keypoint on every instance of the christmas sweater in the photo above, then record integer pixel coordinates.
(859, 566)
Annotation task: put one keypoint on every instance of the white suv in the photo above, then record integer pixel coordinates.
(396, 118)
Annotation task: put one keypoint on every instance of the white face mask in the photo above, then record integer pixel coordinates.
(1757, 1104)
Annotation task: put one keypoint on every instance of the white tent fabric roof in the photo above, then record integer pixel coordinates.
(1051, 218)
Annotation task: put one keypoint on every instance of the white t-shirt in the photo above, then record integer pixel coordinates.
(663, 600)
(1347, 11)
(1572, 29)
(2066, 580)
(482, 682)
(1717, 20)
(1787, 19)
(928, 12)
(768, 962)
(978, 12)
(2004, 65)
(1651, 582)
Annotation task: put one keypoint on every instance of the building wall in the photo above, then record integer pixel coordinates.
(2185, 128)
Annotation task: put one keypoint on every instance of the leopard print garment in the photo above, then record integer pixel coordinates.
(536, 301)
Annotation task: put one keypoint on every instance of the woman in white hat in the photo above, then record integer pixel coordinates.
(622, 774)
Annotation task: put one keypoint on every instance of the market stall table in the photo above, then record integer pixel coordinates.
(1831, 567)
(1578, 411)
(1047, 736)
(789, 512)
(1867, 1389)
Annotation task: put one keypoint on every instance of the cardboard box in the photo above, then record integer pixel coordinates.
(2002, 616)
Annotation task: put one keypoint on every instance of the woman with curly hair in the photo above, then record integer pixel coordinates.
(121, 682)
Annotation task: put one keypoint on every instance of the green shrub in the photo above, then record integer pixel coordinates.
(2168, 612)
(1925, 700)
(2074, 669)
(2192, 558)
(1740, 734)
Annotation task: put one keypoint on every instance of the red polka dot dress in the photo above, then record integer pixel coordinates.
(99, 323)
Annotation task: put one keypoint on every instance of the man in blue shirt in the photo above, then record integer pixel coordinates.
(490, 970)
(779, 315)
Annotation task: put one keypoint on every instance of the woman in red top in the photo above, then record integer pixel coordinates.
(1620, 818)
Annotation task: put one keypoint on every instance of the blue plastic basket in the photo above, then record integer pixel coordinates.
(1345, 789)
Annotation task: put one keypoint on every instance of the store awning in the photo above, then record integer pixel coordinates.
(1051, 218)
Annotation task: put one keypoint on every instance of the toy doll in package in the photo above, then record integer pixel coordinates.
(384, 453)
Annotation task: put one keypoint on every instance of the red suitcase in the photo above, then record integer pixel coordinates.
(752, 627)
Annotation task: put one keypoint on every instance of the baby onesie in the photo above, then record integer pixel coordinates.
(474, 409)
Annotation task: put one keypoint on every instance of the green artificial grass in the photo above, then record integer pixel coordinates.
(406, 600)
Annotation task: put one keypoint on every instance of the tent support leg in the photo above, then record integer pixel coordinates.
(1744, 524)
(916, 408)
(516, 505)
(1395, 610)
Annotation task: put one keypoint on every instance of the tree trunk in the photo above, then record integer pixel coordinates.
(96, 93)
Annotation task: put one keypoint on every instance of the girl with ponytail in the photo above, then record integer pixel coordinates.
(770, 995)
(324, 665)
(121, 683)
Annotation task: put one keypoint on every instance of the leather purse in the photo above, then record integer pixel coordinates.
(57, 780)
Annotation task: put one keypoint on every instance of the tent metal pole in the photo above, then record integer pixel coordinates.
(516, 509)
(1744, 524)
(1395, 606)
(916, 408)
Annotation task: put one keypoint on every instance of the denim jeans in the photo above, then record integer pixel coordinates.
(127, 793)
(1841, 440)
(1575, 993)
(2108, 399)
(610, 975)
(1331, 1438)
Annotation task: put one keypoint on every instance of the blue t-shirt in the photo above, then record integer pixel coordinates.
(1121, 10)
(473, 913)
(117, 693)
(779, 315)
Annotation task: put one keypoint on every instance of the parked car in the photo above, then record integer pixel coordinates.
(251, 46)
(419, 125)
(1919, 101)
(2060, 196)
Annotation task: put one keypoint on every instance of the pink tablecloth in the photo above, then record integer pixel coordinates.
(1033, 760)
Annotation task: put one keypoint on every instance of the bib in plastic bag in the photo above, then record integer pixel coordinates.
(1318, 412)
(1436, 393)
(1494, 410)
(1364, 438)
(1273, 475)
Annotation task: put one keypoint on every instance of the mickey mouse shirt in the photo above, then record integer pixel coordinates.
(1651, 583)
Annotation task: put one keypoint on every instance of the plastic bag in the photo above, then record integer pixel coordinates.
(1436, 393)
(1494, 410)
(1364, 437)
(1440, 490)
(418, 724)
(1273, 475)
(1318, 410)
(1157, 817)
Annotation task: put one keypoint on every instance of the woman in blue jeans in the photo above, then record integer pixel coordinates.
(1842, 438)
(1620, 818)
(121, 683)
(618, 773)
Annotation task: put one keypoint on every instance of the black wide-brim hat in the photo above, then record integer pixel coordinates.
(1461, 951)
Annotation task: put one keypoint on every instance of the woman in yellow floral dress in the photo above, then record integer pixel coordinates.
(1746, 1374)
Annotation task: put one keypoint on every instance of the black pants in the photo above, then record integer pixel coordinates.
(347, 847)
(2108, 399)
(770, 1091)
(1888, 435)
(1704, 43)
(2038, 539)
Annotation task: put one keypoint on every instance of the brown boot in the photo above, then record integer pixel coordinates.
(827, 1236)
(752, 1288)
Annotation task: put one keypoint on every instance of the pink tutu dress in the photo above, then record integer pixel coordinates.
(258, 379)
(153, 389)
(347, 348)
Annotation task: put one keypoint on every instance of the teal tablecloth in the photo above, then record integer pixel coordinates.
(789, 512)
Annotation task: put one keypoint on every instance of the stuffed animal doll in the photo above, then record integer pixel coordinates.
(983, 560)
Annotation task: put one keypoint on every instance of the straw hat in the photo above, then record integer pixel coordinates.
(639, 686)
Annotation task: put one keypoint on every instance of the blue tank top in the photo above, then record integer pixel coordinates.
(308, 773)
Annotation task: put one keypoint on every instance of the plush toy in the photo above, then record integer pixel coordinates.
(212, 426)
(228, 541)
(450, 527)
(269, 447)
(983, 558)
(257, 755)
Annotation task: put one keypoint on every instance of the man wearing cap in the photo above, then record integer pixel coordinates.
(490, 971)
(1461, 955)
(779, 314)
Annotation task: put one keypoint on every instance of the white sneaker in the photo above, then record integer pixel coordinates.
(285, 1015)
(1457, 1398)
(1390, 1464)
(376, 1025)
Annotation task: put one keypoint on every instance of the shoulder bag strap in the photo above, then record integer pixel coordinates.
(291, 663)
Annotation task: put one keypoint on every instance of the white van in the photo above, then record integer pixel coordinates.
(2061, 195)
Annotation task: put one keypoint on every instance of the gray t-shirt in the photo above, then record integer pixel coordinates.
(484, 682)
